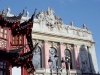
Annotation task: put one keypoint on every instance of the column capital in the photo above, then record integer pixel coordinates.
(75, 45)
(46, 41)
(61, 43)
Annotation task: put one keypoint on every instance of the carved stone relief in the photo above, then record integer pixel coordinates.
(54, 23)
(67, 29)
(80, 33)
(69, 47)
(49, 19)
(53, 44)
(40, 42)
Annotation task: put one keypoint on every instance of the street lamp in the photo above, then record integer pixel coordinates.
(50, 62)
(56, 58)
(68, 61)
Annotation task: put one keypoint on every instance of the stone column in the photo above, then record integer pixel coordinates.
(76, 51)
(46, 53)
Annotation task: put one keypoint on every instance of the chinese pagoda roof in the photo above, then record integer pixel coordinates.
(18, 28)
(13, 19)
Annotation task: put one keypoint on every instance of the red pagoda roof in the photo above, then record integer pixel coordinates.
(18, 28)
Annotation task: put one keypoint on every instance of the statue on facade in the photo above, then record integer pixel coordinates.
(36, 58)
(84, 59)
(71, 23)
(40, 17)
(52, 53)
(85, 27)
(50, 19)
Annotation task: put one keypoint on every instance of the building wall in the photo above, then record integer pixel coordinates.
(61, 37)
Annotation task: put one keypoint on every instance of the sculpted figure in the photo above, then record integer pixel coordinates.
(50, 17)
(36, 58)
(52, 54)
(85, 27)
(40, 17)
(71, 23)
(84, 59)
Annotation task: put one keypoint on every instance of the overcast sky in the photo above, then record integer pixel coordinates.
(78, 11)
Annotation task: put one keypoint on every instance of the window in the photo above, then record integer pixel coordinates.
(3, 33)
(37, 57)
(68, 54)
(3, 44)
(3, 68)
(52, 53)
(18, 40)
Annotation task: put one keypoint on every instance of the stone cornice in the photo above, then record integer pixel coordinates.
(68, 37)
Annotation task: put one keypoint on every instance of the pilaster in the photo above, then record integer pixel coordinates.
(76, 51)
(46, 53)
(62, 53)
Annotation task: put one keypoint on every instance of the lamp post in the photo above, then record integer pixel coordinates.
(68, 60)
(50, 63)
(56, 59)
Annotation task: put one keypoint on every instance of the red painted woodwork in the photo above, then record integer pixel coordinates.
(23, 70)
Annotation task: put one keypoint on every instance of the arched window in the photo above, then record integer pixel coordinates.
(52, 53)
(68, 54)
(37, 58)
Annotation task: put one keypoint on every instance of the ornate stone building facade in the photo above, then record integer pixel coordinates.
(55, 37)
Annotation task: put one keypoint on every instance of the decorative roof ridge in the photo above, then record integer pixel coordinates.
(13, 18)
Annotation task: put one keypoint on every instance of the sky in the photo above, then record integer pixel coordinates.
(78, 11)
